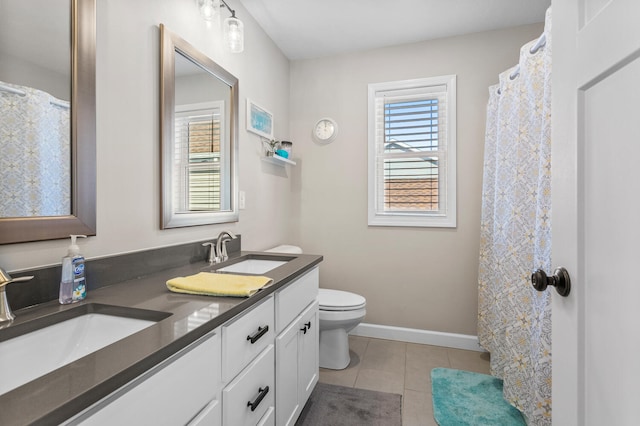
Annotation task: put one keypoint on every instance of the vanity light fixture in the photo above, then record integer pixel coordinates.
(233, 31)
(209, 9)
(232, 27)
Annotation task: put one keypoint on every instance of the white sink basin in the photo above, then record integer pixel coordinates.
(27, 357)
(253, 266)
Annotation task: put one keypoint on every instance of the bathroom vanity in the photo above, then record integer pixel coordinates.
(205, 360)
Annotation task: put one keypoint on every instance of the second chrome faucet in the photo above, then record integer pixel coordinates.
(218, 252)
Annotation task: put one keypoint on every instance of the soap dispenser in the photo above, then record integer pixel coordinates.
(73, 286)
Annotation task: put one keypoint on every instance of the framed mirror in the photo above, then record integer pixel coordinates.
(47, 119)
(199, 128)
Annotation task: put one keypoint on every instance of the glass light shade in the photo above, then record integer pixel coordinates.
(234, 34)
(209, 9)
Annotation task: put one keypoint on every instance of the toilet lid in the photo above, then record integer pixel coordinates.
(337, 300)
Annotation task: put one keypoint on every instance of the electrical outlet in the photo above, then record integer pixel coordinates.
(241, 200)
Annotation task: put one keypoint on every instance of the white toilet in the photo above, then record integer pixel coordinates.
(340, 312)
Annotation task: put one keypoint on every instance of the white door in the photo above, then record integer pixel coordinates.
(596, 211)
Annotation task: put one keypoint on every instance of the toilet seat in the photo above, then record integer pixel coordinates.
(336, 319)
(337, 300)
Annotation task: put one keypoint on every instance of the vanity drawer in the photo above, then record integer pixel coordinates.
(269, 419)
(245, 337)
(295, 297)
(211, 415)
(248, 399)
(171, 393)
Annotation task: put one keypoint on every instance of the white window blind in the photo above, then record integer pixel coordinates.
(197, 160)
(412, 153)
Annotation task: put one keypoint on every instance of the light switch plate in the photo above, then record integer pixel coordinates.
(241, 200)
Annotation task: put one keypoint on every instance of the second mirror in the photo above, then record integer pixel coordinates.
(199, 124)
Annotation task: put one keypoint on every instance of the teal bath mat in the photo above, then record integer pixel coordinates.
(463, 398)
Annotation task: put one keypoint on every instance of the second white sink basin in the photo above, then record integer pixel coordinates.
(253, 266)
(27, 357)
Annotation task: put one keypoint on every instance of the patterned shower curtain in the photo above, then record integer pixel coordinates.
(35, 174)
(514, 320)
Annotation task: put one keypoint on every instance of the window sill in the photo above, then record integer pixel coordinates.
(435, 221)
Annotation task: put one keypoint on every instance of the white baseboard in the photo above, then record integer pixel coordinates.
(414, 335)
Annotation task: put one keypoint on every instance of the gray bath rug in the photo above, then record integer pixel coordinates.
(341, 406)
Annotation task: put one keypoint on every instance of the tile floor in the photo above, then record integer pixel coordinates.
(404, 368)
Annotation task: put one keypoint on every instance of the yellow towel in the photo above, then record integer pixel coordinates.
(212, 284)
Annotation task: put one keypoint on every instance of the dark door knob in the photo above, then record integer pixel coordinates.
(560, 280)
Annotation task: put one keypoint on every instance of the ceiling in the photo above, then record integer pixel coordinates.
(315, 28)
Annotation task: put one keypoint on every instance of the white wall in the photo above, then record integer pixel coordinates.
(422, 278)
(128, 175)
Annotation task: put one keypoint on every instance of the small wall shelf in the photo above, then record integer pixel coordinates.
(278, 161)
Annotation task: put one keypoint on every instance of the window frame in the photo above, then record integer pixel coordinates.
(181, 158)
(446, 217)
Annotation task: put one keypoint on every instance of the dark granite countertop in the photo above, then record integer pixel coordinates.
(70, 389)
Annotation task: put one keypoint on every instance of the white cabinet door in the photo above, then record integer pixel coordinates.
(297, 368)
(308, 353)
(287, 406)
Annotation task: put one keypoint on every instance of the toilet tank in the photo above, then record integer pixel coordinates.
(285, 248)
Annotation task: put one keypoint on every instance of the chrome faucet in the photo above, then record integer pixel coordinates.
(221, 246)
(5, 279)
